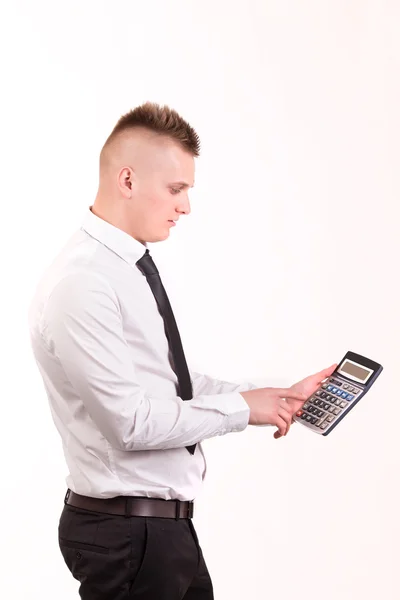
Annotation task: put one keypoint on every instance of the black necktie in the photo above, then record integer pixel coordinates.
(149, 269)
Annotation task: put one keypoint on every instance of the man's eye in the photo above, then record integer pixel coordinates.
(175, 190)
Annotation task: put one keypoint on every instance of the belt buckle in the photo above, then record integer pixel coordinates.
(67, 495)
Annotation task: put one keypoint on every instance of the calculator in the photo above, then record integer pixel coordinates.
(335, 398)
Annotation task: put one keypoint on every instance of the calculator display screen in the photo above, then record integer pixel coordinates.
(355, 371)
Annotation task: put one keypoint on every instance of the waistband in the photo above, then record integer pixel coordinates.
(129, 506)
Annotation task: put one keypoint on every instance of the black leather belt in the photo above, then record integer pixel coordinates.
(129, 506)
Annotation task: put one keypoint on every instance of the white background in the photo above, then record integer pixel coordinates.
(289, 258)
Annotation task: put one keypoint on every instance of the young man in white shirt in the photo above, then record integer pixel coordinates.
(130, 413)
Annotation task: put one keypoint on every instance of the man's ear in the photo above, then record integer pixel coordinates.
(126, 181)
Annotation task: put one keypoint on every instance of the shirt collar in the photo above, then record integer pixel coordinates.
(114, 238)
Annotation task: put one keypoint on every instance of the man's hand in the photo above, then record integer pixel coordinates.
(306, 386)
(269, 406)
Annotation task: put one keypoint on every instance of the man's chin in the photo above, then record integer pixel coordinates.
(159, 238)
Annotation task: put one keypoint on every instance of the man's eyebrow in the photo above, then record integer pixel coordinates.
(183, 183)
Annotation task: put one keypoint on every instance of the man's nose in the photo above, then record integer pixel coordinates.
(184, 206)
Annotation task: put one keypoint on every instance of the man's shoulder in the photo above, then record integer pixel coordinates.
(75, 270)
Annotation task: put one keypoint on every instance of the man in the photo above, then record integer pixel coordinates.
(130, 414)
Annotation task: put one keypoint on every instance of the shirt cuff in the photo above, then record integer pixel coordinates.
(236, 410)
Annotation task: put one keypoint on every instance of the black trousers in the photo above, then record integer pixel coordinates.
(118, 558)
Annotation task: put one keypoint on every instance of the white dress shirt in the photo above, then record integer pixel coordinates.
(100, 345)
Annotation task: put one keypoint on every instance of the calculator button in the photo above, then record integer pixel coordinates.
(332, 409)
(326, 406)
(303, 416)
(338, 383)
(324, 425)
(342, 404)
(334, 390)
(314, 420)
(323, 395)
(324, 385)
(328, 397)
(318, 393)
(349, 397)
(330, 388)
(308, 418)
(339, 392)
(344, 395)
(330, 418)
(345, 386)
(320, 413)
(338, 401)
(299, 413)
(337, 411)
